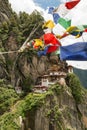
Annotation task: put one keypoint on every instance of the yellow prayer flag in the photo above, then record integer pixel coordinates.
(49, 24)
(71, 28)
(38, 42)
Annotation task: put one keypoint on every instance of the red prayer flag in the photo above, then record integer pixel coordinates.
(85, 30)
(52, 49)
(50, 38)
(71, 4)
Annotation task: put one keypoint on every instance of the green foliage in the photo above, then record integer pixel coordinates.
(9, 122)
(8, 97)
(4, 28)
(55, 116)
(27, 84)
(58, 89)
(55, 111)
(20, 26)
(31, 103)
(28, 22)
(75, 85)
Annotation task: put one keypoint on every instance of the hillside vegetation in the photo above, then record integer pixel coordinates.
(53, 108)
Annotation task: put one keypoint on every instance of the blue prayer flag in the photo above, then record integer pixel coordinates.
(50, 10)
(76, 51)
(44, 52)
(56, 17)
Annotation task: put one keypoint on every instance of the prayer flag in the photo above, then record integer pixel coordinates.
(76, 51)
(56, 17)
(65, 23)
(49, 24)
(71, 4)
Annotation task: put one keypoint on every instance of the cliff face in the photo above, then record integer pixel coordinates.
(59, 112)
(5, 15)
(60, 108)
(5, 11)
(17, 68)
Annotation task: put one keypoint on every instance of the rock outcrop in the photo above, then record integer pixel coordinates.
(59, 112)
(5, 11)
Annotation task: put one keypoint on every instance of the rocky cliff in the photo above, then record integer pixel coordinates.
(62, 108)
(16, 67)
(5, 11)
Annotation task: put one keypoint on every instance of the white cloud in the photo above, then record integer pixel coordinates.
(25, 5)
(63, 1)
(29, 6)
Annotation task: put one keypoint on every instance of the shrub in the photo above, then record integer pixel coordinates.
(77, 90)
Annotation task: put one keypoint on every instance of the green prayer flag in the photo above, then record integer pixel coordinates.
(64, 22)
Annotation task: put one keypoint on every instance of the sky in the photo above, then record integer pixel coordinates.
(29, 5)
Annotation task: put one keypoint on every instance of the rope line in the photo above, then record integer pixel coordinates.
(7, 52)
